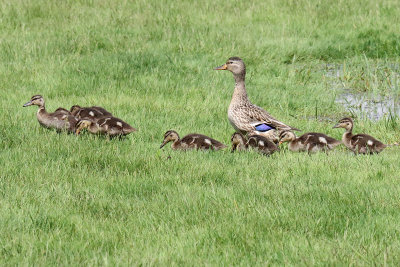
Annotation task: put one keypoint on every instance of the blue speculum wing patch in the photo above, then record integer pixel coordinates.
(264, 127)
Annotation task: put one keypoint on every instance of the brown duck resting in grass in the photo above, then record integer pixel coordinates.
(359, 143)
(258, 142)
(61, 119)
(109, 126)
(89, 113)
(191, 141)
(310, 142)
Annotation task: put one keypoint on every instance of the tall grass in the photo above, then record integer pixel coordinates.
(90, 201)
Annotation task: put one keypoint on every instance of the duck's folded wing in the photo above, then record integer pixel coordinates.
(262, 119)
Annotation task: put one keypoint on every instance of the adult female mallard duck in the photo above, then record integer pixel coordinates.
(242, 114)
(109, 126)
(310, 142)
(260, 143)
(90, 113)
(359, 143)
(60, 120)
(191, 141)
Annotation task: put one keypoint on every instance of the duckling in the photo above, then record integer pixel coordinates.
(244, 116)
(359, 143)
(262, 144)
(60, 120)
(191, 141)
(109, 126)
(310, 142)
(90, 113)
(239, 142)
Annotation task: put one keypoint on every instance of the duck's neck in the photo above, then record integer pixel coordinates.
(176, 144)
(293, 144)
(41, 111)
(42, 116)
(240, 88)
(348, 134)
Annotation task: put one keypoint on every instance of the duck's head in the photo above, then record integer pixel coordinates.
(346, 123)
(35, 100)
(286, 136)
(238, 141)
(234, 65)
(74, 109)
(82, 124)
(169, 136)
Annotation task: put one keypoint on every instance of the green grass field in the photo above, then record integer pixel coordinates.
(67, 200)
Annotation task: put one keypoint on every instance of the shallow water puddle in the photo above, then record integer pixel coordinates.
(367, 106)
(363, 105)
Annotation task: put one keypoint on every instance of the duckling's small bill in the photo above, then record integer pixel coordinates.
(27, 104)
(163, 144)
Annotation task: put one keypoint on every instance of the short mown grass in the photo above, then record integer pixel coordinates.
(67, 200)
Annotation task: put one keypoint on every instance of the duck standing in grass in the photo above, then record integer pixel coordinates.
(191, 141)
(109, 126)
(359, 143)
(245, 117)
(61, 119)
(310, 142)
(258, 142)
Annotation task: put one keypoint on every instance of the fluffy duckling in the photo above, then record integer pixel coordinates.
(359, 143)
(89, 113)
(262, 144)
(60, 120)
(310, 142)
(109, 126)
(191, 141)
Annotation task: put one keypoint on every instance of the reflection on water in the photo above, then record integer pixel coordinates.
(370, 107)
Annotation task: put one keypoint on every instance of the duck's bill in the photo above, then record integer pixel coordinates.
(163, 144)
(27, 104)
(78, 131)
(222, 67)
(336, 126)
(280, 143)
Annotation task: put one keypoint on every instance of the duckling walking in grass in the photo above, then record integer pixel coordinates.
(260, 143)
(89, 113)
(242, 114)
(191, 141)
(310, 142)
(61, 119)
(359, 143)
(109, 126)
